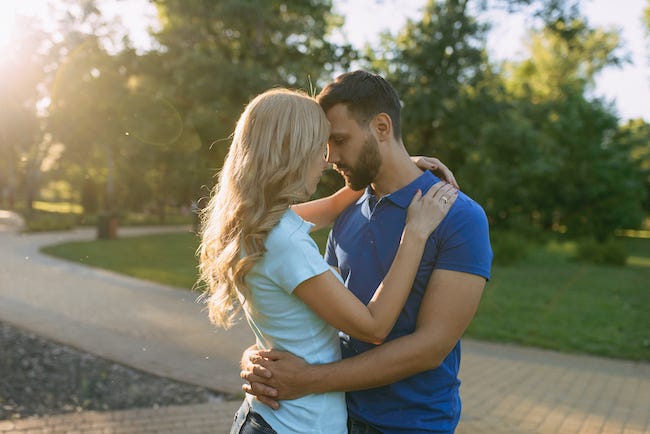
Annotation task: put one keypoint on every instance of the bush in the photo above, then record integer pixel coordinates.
(39, 221)
(610, 252)
(508, 247)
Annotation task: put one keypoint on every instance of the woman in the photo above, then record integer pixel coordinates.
(256, 254)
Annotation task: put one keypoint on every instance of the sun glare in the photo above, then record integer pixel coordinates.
(10, 10)
(7, 15)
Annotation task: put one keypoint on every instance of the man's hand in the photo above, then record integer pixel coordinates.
(256, 375)
(274, 375)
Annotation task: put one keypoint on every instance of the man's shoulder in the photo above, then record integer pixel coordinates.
(467, 207)
(466, 220)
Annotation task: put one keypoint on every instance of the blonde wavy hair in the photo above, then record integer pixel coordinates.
(276, 137)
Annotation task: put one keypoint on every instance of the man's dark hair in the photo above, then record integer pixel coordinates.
(365, 95)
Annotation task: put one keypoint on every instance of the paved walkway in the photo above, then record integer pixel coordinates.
(506, 389)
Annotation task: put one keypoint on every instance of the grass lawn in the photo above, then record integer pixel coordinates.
(555, 303)
(547, 301)
(166, 258)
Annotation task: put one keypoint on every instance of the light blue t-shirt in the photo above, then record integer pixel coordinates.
(282, 321)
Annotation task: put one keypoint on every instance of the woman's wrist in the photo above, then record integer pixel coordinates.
(413, 235)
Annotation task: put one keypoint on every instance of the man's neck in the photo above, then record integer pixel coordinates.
(396, 171)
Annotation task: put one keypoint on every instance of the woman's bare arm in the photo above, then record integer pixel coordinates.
(322, 212)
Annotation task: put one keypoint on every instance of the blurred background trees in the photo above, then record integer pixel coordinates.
(94, 122)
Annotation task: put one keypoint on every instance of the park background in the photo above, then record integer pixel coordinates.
(98, 129)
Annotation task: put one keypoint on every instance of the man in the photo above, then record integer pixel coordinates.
(409, 384)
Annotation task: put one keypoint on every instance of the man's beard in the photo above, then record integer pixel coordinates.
(367, 167)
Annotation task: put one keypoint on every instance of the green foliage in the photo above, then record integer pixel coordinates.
(547, 154)
(432, 62)
(40, 221)
(508, 247)
(635, 137)
(610, 252)
(143, 132)
(524, 138)
(217, 55)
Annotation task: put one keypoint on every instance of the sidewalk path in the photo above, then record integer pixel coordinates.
(506, 389)
(141, 324)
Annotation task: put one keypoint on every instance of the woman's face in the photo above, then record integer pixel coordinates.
(317, 164)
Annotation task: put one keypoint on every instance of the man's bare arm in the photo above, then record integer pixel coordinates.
(448, 306)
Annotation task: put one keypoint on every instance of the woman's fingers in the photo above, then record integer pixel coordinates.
(445, 173)
(437, 166)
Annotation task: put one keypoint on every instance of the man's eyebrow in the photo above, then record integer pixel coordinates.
(334, 136)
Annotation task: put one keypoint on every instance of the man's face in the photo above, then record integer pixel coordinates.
(353, 150)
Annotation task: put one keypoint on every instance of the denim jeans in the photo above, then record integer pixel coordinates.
(357, 427)
(248, 421)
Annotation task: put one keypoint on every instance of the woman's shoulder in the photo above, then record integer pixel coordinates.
(290, 232)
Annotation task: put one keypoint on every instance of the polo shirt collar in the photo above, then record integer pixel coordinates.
(404, 195)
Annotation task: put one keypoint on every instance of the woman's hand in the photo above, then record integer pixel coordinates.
(426, 212)
(436, 166)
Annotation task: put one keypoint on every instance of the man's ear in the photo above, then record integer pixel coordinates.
(382, 125)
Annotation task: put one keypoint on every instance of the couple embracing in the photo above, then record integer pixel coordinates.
(367, 339)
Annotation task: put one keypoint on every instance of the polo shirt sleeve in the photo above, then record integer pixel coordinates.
(465, 242)
(330, 251)
(294, 260)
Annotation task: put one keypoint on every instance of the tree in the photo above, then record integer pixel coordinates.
(635, 136)
(22, 141)
(576, 177)
(527, 139)
(102, 116)
(216, 55)
(432, 63)
(84, 113)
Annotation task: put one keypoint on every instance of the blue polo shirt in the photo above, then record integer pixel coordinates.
(363, 244)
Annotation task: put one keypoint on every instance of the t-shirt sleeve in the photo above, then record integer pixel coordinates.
(295, 260)
(330, 251)
(465, 244)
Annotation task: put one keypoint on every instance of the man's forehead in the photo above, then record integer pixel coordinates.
(341, 120)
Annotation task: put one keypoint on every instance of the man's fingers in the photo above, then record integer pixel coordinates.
(259, 370)
(262, 371)
(259, 389)
(268, 401)
(250, 377)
